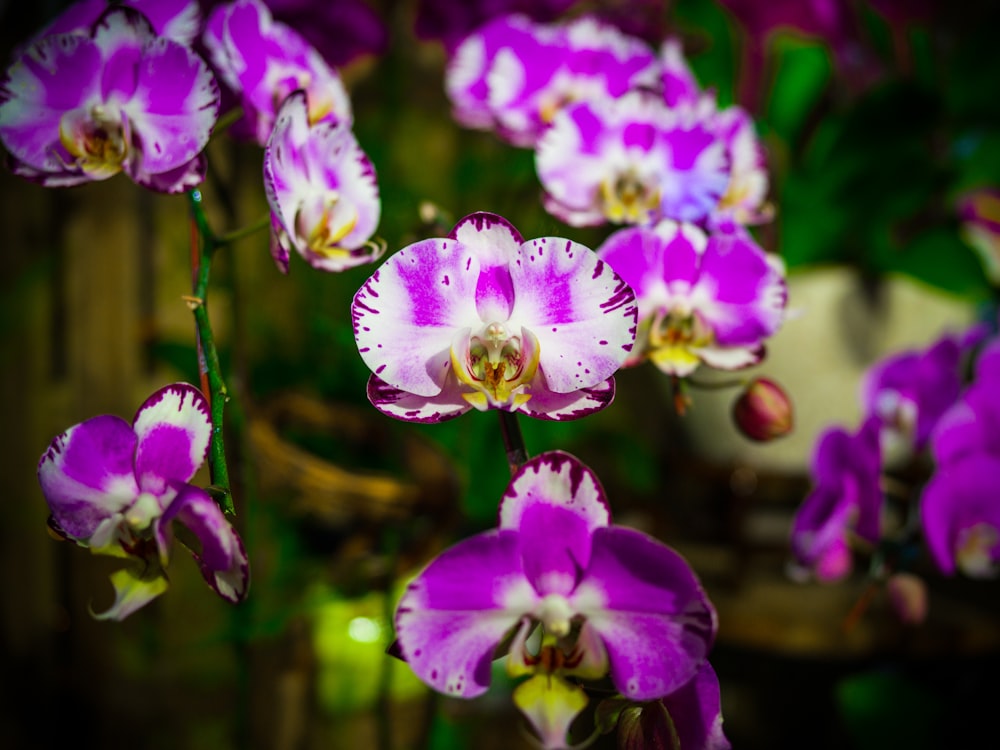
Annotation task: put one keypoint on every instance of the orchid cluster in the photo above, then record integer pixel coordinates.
(919, 472)
(481, 319)
(105, 89)
(624, 134)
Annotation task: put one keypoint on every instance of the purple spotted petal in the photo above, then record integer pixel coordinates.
(741, 290)
(557, 407)
(56, 75)
(582, 313)
(173, 427)
(449, 620)
(696, 711)
(407, 314)
(174, 107)
(494, 241)
(221, 557)
(649, 608)
(961, 500)
(87, 474)
(413, 408)
(555, 503)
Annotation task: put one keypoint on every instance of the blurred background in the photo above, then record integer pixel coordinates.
(878, 118)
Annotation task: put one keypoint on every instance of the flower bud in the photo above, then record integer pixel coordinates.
(647, 727)
(763, 411)
(907, 597)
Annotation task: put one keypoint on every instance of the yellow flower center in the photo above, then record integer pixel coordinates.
(497, 365)
(627, 199)
(96, 139)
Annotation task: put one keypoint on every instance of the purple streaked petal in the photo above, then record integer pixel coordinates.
(122, 35)
(559, 407)
(221, 557)
(495, 242)
(555, 503)
(558, 479)
(173, 427)
(413, 408)
(407, 314)
(179, 20)
(132, 592)
(581, 311)
(696, 711)
(741, 291)
(959, 497)
(87, 474)
(448, 622)
(175, 105)
(649, 608)
(57, 74)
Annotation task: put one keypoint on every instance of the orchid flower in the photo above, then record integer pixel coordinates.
(515, 75)
(960, 506)
(614, 598)
(484, 319)
(911, 390)
(631, 160)
(78, 107)
(322, 191)
(846, 499)
(702, 298)
(263, 61)
(117, 489)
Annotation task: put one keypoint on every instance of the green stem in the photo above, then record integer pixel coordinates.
(228, 238)
(203, 247)
(513, 440)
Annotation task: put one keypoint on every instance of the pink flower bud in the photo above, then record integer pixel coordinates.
(646, 726)
(907, 597)
(763, 411)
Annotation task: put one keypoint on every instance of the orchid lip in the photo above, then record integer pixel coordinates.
(498, 365)
(96, 138)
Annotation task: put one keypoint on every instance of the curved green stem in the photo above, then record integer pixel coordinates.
(204, 244)
(263, 222)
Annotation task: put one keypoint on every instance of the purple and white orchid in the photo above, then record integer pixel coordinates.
(483, 318)
(702, 298)
(322, 191)
(117, 488)
(263, 61)
(613, 597)
(514, 75)
(78, 107)
(631, 160)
